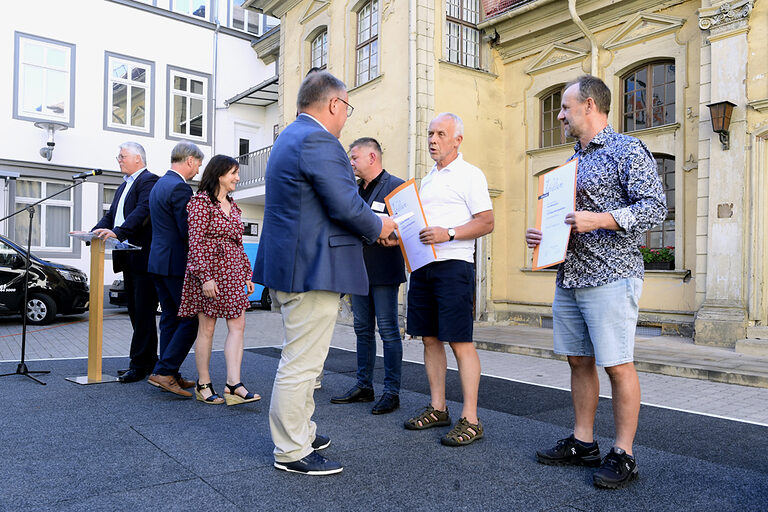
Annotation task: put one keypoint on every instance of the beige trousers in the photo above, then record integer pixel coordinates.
(308, 321)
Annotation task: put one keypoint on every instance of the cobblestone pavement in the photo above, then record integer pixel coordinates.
(68, 338)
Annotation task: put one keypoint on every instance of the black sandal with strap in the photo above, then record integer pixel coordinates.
(214, 399)
(233, 398)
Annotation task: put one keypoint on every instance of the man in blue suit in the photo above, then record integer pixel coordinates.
(168, 263)
(310, 251)
(128, 219)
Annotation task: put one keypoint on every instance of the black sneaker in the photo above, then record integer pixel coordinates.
(312, 464)
(568, 451)
(321, 442)
(617, 470)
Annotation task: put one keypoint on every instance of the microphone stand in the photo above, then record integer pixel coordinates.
(22, 369)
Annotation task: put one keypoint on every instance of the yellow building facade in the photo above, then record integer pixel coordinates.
(501, 66)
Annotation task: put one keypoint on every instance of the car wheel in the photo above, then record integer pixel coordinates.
(266, 300)
(41, 309)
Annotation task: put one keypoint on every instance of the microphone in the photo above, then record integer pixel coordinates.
(87, 174)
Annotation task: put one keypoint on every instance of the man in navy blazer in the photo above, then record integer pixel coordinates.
(310, 251)
(168, 264)
(128, 219)
(386, 270)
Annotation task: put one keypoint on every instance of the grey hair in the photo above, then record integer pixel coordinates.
(136, 149)
(317, 88)
(458, 124)
(184, 150)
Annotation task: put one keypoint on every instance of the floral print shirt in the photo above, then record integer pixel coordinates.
(616, 174)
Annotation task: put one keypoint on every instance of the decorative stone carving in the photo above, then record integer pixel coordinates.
(724, 14)
(555, 55)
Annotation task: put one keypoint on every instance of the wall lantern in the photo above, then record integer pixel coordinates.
(720, 113)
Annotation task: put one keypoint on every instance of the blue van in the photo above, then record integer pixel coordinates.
(260, 293)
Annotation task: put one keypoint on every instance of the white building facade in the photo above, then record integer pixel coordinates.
(89, 75)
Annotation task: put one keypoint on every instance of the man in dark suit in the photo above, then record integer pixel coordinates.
(128, 219)
(168, 263)
(309, 253)
(386, 270)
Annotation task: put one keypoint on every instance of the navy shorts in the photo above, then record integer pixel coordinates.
(440, 300)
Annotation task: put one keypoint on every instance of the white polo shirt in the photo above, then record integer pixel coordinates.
(450, 197)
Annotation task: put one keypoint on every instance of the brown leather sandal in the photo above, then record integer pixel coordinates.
(463, 433)
(430, 417)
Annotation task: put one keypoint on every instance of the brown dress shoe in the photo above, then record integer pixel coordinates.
(168, 383)
(185, 383)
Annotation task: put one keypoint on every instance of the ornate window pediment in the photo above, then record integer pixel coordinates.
(642, 26)
(555, 55)
(314, 8)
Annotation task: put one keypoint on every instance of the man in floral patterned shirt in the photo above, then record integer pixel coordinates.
(618, 197)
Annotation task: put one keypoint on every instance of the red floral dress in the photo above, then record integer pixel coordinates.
(215, 252)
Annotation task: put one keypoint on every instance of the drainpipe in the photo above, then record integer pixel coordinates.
(589, 35)
(412, 89)
(215, 78)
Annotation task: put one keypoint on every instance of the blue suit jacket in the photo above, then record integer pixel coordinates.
(170, 232)
(137, 228)
(314, 219)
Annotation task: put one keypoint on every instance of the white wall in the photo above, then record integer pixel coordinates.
(98, 26)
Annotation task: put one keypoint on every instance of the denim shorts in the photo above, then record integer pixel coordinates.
(598, 321)
(440, 299)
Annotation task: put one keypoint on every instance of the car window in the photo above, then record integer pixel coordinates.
(7, 254)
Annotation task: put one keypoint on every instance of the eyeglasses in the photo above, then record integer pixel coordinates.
(350, 108)
(120, 158)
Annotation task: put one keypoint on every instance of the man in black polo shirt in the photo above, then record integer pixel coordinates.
(386, 271)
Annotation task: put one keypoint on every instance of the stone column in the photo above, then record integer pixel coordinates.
(722, 318)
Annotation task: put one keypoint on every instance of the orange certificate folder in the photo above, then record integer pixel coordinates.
(556, 199)
(404, 203)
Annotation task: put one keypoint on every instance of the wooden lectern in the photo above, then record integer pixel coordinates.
(96, 305)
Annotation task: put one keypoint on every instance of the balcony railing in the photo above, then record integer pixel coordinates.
(253, 167)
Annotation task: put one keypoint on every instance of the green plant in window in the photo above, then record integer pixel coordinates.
(651, 255)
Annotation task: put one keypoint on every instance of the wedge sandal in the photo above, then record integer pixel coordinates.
(429, 417)
(463, 433)
(233, 398)
(214, 399)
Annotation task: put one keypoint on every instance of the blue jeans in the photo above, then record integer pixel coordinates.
(378, 307)
(598, 321)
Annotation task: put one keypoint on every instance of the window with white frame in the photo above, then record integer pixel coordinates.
(462, 34)
(198, 8)
(188, 105)
(53, 218)
(367, 42)
(44, 79)
(107, 196)
(128, 93)
(320, 50)
(244, 19)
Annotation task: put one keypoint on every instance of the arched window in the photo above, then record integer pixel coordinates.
(648, 96)
(663, 235)
(320, 50)
(552, 132)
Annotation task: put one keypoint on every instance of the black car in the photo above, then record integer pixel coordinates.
(53, 288)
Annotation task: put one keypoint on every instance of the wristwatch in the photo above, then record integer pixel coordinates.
(451, 234)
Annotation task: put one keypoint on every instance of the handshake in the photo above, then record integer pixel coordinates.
(387, 237)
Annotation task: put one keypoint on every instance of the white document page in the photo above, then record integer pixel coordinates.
(557, 198)
(405, 206)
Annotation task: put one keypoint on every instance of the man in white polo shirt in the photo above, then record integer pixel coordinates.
(455, 199)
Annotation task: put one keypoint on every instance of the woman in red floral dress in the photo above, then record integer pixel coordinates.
(218, 272)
